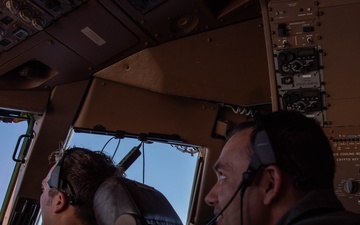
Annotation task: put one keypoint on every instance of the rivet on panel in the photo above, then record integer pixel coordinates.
(126, 66)
(320, 13)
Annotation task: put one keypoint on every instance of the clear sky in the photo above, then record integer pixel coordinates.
(167, 169)
(9, 133)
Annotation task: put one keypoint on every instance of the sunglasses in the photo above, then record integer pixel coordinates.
(61, 184)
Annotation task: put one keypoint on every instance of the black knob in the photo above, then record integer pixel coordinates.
(287, 98)
(282, 57)
(295, 97)
(296, 66)
(290, 56)
(351, 186)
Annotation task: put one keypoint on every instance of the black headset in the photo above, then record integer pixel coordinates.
(264, 155)
(56, 181)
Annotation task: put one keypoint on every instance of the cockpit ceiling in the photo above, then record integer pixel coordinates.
(46, 43)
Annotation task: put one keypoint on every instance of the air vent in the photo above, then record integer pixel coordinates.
(28, 75)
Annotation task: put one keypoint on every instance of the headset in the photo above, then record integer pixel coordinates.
(264, 155)
(56, 181)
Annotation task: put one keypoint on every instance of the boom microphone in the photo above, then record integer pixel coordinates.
(242, 185)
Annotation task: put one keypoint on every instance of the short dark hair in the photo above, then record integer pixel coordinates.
(301, 148)
(85, 170)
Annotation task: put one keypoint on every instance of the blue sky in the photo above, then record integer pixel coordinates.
(9, 133)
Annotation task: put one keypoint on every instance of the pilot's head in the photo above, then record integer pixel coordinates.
(280, 158)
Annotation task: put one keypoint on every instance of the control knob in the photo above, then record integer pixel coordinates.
(38, 23)
(25, 15)
(12, 6)
(351, 186)
(296, 66)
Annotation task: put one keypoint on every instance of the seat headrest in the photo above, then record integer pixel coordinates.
(122, 201)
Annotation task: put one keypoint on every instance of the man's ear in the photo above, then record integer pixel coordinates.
(272, 181)
(61, 202)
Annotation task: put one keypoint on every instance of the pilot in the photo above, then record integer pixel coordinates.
(277, 170)
(70, 186)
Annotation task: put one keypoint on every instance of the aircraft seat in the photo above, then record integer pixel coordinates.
(120, 201)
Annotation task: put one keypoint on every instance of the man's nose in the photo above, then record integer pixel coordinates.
(211, 197)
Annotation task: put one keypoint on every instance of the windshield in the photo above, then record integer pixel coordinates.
(9, 134)
(169, 169)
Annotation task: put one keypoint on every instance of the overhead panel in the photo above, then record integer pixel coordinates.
(166, 20)
(93, 33)
(20, 19)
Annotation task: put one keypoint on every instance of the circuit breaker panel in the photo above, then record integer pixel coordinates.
(312, 49)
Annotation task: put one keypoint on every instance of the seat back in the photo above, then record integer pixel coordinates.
(120, 201)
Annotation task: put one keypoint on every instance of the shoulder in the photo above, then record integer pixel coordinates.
(335, 218)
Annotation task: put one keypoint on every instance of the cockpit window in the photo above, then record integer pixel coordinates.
(10, 131)
(168, 168)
